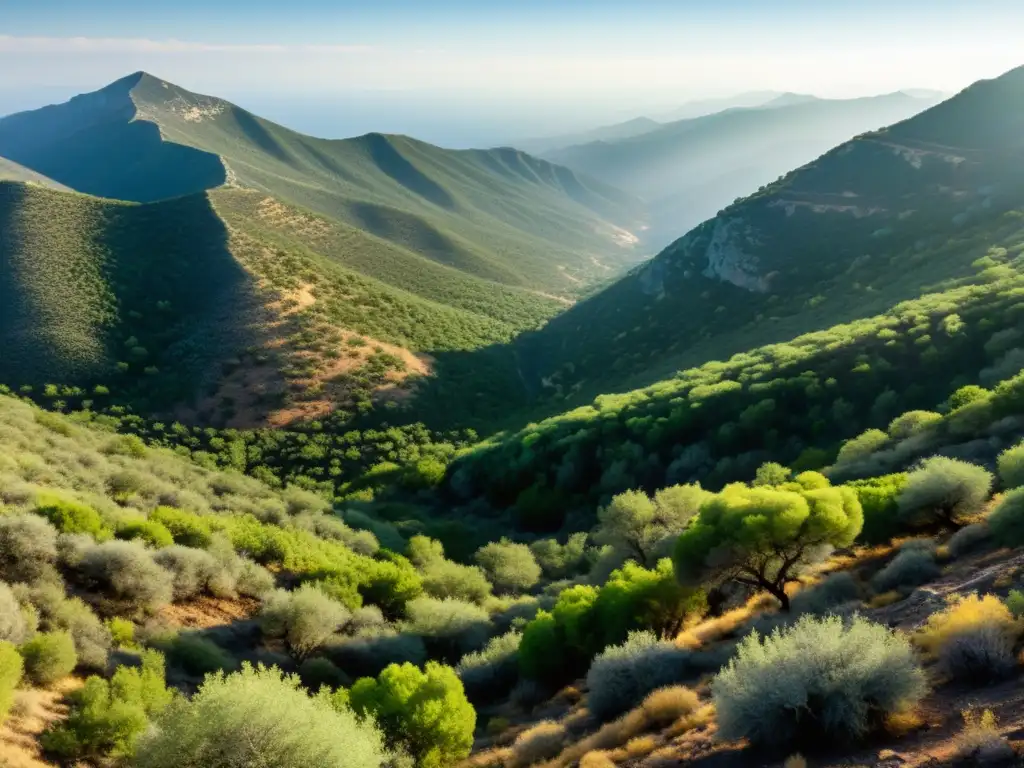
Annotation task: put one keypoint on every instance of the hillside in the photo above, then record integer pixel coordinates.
(688, 170)
(500, 215)
(11, 171)
(623, 130)
(876, 220)
(228, 305)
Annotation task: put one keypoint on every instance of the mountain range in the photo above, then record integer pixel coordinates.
(689, 169)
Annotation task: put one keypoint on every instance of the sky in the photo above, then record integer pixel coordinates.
(461, 72)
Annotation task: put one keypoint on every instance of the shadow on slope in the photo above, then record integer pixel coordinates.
(391, 162)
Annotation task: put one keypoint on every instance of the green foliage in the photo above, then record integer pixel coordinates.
(122, 632)
(944, 491)
(509, 566)
(28, 548)
(774, 693)
(834, 591)
(127, 574)
(304, 619)
(1006, 520)
(967, 395)
(450, 627)
(622, 675)
(424, 713)
(196, 655)
(14, 626)
(879, 499)
(911, 568)
(49, 657)
(862, 446)
(762, 536)
(258, 716)
(150, 532)
(644, 528)
(11, 668)
(1011, 467)
(107, 718)
(771, 473)
(187, 529)
(911, 423)
(490, 673)
(70, 516)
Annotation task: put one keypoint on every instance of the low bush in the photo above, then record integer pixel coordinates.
(197, 655)
(969, 539)
(510, 567)
(980, 741)
(944, 491)
(125, 573)
(423, 713)
(491, 673)
(28, 548)
(194, 572)
(49, 657)
(11, 668)
(252, 579)
(910, 568)
(972, 638)
(819, 681)
(91, 637)
(541, 742)
(106, 718)
(879, 499)
(835, 590)
(450, 628)
(1006, 521)
(187, 529)
(122, 632)
(14, 628)
(560, 561)
(258, 717)
(1015, 603)
(444, 579)
(369, 655)
(319, 672)
(304, 619)
(1011, 466)
(622, 675)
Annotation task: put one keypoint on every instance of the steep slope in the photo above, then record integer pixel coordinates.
(499, 214)
(690, 169)
(11, 171)
(228, 305)
(875, 221)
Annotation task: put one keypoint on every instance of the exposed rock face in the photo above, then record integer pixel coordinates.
(729, 256)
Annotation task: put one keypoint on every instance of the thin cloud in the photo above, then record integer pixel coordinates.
(11, 44)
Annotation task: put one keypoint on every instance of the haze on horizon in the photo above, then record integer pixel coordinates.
(462, 74)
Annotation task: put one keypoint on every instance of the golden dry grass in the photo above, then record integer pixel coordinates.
(966, 612)
(666, 705)
(885, 598)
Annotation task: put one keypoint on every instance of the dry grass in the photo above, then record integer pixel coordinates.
(966, 613)
(698, 719)
(541, 742)
(596, 760)
(795, 761)
(981, 741)
(900, 724)
(33, 712)
(638, 747)
(666, 705)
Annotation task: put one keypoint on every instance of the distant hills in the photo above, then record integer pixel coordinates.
(255, 275)
(690, 169)
(874, 221)
(500, 214)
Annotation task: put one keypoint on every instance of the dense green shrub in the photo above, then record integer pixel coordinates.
(559, 561)
(371, 652)
(558, 645)
(944, 491)
(910, 423)
(862, 446)
(423, 713)
(490, 673)
(318, 672)
(49, 656)
(28, 548)
(258, 717)
(820, 681)
(912, 567)
(1011, 466)
(187, 529)
(125, 573)
(252, 579)
(509, 566)
(622, 675)
(91, 637)
(762, 536)
(11, 668)
(304, 619)
(443, 578)
(969, 539)
(197, 655)
(1007, 519)
(71, 516)
(879, 499)
(149, 532)
(106, 718)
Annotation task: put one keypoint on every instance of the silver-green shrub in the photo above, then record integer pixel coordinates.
(821, 680)
(304, 619)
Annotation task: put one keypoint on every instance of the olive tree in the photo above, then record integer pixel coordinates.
(509, 566)
(761, 537)
(640, 527)
(944, 492)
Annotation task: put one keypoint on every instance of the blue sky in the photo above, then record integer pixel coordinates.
(566, 61)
